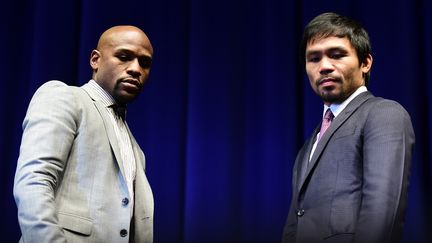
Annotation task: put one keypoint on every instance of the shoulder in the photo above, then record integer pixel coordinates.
(55, 86)
(51, 90)
(388, 112)
(386, 106)
(57, 90)
(55, 97)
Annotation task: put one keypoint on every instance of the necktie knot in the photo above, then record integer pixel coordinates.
(328, 118)
(328, 115)
(120, 111)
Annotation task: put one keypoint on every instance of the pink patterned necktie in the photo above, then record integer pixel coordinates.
(328, 118)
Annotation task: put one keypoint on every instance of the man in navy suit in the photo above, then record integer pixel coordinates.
(350, 178)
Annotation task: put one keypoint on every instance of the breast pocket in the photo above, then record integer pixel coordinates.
(345, 132)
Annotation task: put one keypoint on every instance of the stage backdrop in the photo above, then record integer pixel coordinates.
(227, 105)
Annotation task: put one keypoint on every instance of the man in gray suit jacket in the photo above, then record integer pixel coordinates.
(350, 178)
(81, 175)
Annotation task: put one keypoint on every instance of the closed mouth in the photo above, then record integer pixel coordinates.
(327, 80)
(132, 81)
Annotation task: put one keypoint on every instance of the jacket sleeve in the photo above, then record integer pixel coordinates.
(49, 129)
(387, 149)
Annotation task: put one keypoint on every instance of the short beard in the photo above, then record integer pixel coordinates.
(331, 98)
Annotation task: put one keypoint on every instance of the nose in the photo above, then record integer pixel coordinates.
(134, 69)
(326, 66)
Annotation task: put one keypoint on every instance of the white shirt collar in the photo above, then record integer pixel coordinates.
(103, 96)
(338, 108)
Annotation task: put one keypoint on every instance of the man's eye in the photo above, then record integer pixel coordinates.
(313, 59)
(337, 55)
(123, 57)
(145, 62)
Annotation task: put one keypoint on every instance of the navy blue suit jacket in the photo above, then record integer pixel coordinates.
(354, 188)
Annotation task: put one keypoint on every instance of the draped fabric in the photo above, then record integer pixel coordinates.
(227, 105)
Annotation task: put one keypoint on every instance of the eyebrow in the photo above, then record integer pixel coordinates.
(338, 48)
(331, 49)
(128, 51)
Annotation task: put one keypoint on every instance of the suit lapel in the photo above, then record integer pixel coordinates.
(102, 109)
(139, 156)
(110, 133)
(336, 123)
(304, 159)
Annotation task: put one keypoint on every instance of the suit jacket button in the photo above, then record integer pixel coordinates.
(123, 233)
(300, 212)
(125, 201)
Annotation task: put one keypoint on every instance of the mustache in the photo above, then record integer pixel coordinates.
(327, 78)
(131, 80)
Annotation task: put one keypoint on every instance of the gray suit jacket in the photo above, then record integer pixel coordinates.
(354, 188)
(69, 183)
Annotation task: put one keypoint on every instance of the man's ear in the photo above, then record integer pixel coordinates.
(367, 64)
(94, 59)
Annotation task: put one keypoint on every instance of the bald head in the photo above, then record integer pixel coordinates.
(115, 34)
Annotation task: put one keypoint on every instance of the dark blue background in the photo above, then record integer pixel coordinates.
(227, 105)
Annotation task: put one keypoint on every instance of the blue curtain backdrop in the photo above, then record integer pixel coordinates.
(227, 105)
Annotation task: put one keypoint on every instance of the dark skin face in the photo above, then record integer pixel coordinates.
(333, 68)
(121, 63)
